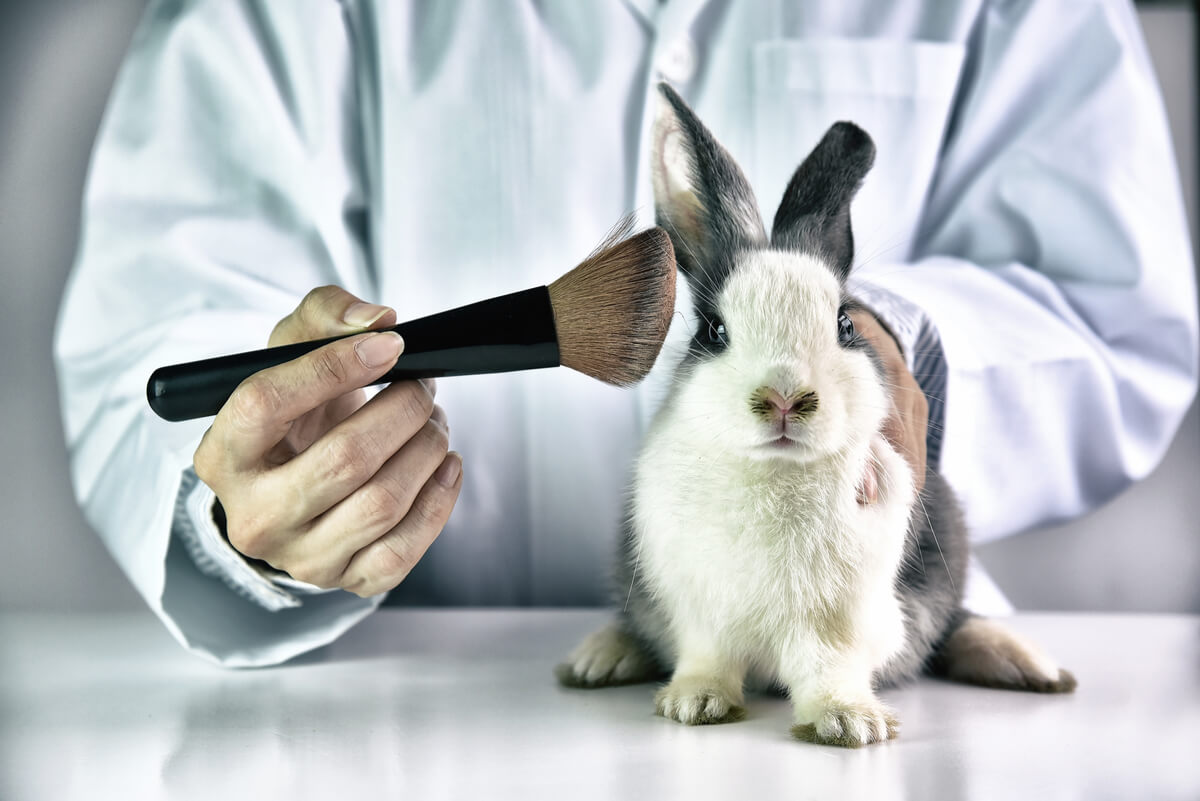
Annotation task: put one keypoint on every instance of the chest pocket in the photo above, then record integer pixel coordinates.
(900, 92)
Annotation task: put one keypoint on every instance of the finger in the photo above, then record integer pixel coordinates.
(277, 522)
(868, 487)
(920, 417)
(328, 311)
(899, 432)
(312, 426)
(350, 454)
(338, 410)
(261, 410)
(905, 427)
(384, 563)
(896, 431)
(439, 414)
(909, 431)
(372, 510)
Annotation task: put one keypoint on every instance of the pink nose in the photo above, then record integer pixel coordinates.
(777, 400)
(772, 404)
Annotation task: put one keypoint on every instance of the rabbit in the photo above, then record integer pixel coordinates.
(747, 559)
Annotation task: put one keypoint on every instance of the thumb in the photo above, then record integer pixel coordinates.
(329, 311)
(868, 486)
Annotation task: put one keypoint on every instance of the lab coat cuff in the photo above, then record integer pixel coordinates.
(903, 318)
(213, 556)
(983, 595)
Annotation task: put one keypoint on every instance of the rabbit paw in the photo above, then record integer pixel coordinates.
(984, 652)
(696, 700)
(849, 725)
(605, 658)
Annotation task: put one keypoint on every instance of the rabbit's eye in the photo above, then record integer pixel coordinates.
(846, 331)
(716, 333)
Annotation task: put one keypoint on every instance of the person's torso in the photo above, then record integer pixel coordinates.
(502, 140)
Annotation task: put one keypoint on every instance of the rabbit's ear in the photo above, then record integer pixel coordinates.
(700, 196)
(814, 216)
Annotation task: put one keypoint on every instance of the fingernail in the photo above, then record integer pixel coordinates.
(362, 315)
(379, 349)
(449, 470)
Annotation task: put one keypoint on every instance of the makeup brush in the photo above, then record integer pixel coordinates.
(607, 318)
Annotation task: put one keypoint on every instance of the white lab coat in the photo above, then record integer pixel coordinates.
(426, 155)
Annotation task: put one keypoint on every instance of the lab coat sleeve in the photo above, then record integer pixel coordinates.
(1054, 261)
(226, 182)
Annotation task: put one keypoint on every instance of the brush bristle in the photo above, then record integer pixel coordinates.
(613, 310)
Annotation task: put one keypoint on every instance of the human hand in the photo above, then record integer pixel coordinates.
(334, 490)
(904, 427)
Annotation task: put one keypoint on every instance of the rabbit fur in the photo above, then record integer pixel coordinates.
(747, 559)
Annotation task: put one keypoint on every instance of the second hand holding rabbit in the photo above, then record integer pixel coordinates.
(904, 427)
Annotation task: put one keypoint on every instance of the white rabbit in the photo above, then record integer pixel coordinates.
(747, 557)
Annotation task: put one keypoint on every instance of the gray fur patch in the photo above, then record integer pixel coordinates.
(814, 215)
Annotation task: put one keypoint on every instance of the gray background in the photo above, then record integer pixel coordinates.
(58, 59)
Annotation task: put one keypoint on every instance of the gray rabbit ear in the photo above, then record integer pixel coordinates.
(701, 197)
(814, 216)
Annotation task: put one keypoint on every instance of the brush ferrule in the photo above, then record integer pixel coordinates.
(511, 332)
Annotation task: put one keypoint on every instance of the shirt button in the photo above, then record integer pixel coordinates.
(679, 61)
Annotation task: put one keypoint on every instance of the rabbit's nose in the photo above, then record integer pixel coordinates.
(773, 404)
(773, 397)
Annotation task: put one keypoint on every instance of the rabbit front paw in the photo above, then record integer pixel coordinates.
(849, 725)
(607, 657)
(697, 700)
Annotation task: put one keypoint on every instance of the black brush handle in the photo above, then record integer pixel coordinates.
(511, 332)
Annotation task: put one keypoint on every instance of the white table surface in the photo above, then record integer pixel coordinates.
(462, 704)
